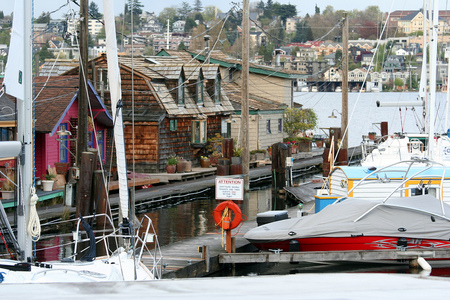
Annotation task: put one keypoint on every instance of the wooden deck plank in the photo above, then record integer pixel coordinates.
(114, 185)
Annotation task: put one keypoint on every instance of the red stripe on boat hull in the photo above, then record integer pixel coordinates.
(360, 243)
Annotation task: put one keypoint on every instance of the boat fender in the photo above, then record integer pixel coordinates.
(221, 221)
(90, 255)
(423, 264)
(2, 277)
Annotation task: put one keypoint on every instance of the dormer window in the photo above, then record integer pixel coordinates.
(199, 89)
(217, 89)
(180, 91)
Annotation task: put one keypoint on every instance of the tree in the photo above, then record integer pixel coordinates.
(284, 11)
(317, 10)
(209, 13)
(2, 15)
(44, 54)
(398, 82)
(181, 46)
(198, 5)
(168, 13)
(184, 10)
(44, 18)
(190, 23)
(338, 55)
(93, 11)
(135, 6)
(328, 10)
(296, 120)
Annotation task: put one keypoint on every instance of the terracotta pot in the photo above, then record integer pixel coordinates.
(171, 168)
(181, 166)
(319, 144)
(294, 148)
(204, 163)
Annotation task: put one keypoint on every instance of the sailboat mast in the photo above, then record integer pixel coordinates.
(25, 129)
(433, 60)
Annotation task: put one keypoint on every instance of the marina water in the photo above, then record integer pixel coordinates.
(363, 112)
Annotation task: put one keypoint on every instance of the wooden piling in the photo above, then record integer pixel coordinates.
(279, 153)
(84, 203)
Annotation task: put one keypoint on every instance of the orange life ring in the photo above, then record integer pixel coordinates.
(218, 215)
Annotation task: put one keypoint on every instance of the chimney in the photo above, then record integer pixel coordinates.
(206, 38)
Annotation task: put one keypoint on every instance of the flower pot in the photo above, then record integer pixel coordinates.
(236, 160)
(205, 162)
(294, 148)
(7, 195)
(182, 166)
(372, 136)
(47, 185)
(319, 144)
(269, 150)
(171, 168)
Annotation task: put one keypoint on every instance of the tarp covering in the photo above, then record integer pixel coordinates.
(414, 214)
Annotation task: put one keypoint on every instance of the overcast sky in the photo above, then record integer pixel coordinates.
(303, 6)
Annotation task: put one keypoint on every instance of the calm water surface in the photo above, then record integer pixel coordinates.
(363, 113)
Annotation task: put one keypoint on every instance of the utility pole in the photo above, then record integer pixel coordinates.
(245, 95)
(82, 96)
(343, 154)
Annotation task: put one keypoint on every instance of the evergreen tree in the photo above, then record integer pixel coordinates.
(93, 11)
(181, 46)
(190, 23)
(317, 10)
(198, 5)
(2, 16)
(44, 18)
(184, 10)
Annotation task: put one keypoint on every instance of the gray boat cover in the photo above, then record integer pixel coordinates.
(418, 217)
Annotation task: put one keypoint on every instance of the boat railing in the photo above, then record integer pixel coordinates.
(137, 242)
(406, 178)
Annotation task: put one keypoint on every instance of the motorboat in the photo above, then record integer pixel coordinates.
(406, 216)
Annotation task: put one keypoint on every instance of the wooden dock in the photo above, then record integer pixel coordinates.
(320, 256)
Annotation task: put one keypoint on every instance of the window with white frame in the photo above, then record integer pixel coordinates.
(199, 132)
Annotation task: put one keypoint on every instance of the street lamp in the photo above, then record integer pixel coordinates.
(65, 133)
(333, 116)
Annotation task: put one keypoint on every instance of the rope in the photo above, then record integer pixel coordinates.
(34, 226)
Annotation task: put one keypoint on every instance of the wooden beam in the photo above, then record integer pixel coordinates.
(114, 185)
(286, 257)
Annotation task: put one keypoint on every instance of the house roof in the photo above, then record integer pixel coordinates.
(55, 95)
(256, 103)
(54, 67)
(160, 68)
(218, 57)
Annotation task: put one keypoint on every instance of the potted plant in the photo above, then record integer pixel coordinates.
(372, 135)
(319, 142)
(171, 166)
(269, 150)
(237, 153)
(205, 161)
(47, 183)
(298, 121)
